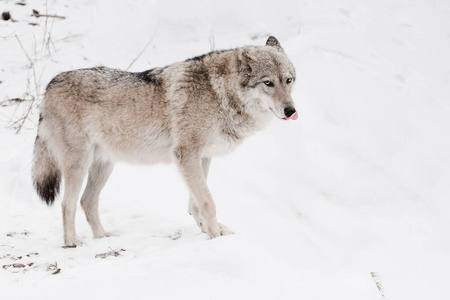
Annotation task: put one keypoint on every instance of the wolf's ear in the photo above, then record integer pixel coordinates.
(273, 42)
(245, 58)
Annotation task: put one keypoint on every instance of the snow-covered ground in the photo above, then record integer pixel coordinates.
(359, 184)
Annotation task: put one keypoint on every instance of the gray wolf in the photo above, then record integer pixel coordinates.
(184, 113)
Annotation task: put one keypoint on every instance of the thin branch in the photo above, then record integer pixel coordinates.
(377, 280)
(33, 98)
(212, 41)
(23, 49)
(50, 40)
(38, 15)
(140, 53)
(45, 29)
(26, 116)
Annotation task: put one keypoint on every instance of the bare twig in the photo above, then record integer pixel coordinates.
(35, 53)
(45, 29)
(30, 106)
(54, 268)
(49, 38)
(46, 36)
(212, 41)
(33, 98)
(110, 253)
(377, 279)
(143, 50)
(12, 101)
(23, 49)
(176, 235)
(10, 121)
(38, 15)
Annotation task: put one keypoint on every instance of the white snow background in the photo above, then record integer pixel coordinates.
(358, 184)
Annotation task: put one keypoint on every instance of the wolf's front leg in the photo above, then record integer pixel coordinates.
(193, 209)
(203, 206)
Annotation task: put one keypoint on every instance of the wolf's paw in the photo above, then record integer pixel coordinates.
(72, 243)
(219, 230)
(104, 234)
(224, 230)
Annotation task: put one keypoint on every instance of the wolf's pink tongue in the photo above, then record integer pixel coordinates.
(294, 116)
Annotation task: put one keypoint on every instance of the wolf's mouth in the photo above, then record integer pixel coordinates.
(276, 114)
(294, 116)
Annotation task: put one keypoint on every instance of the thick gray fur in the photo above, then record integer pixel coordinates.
(185, 113)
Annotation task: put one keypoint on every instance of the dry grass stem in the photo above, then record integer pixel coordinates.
(143, 50)
(377, 279)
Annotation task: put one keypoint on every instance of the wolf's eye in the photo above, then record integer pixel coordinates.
(268, 83)
(289, 80)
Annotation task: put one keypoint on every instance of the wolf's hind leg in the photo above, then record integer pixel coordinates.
(73, 174)
(98, 175)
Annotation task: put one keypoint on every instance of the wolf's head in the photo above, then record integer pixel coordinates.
(267, 76)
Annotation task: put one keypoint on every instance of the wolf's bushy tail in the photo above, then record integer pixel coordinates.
(45, 172)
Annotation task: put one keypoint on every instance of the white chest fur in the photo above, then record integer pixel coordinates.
(231, 133)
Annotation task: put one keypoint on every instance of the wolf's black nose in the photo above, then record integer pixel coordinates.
(288, 111)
